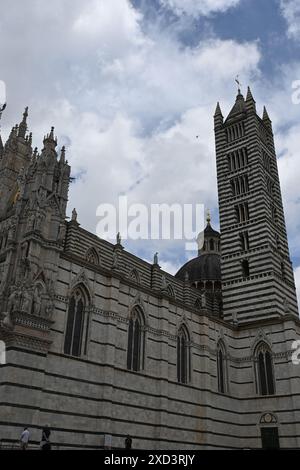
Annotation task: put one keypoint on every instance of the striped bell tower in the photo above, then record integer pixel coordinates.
(257, 274)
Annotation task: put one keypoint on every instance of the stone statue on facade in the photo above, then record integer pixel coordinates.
(74, 215)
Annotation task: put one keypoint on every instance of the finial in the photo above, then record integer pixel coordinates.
(63, 154)
(155, 261)
(35, 153)
(119, 239)
(25, 114)
(23, 124)
(12, 132)
(208, 216)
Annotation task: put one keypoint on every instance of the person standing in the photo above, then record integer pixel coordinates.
(45, 442)
(24, 439)
(128, 443)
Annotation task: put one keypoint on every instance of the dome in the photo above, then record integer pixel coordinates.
(206, 267)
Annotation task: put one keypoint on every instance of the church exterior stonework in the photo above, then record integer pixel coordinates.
(101, 343)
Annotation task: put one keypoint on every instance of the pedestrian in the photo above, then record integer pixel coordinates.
(45, 442)
(128, 443)
(24, 439)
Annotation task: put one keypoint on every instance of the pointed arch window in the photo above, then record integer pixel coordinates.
(136, 341)
(222, 368)
(183, 356)
(135, 276)
(75, 323)
(171, 291)
(92, 256)
(264, 371)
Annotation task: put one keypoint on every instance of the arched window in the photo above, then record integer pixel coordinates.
(264, 371)
(92, 256)
(222, 369)
(75, 323)
(136, 341)
(183, 356)
(135, 276)
(283, 272)
(170, 291)
(245, 268)
(211, 245)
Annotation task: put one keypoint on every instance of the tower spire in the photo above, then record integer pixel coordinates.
(63, 155)
(218, 117)
(23, 124)
(250, 101)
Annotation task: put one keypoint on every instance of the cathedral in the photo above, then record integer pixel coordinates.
(101, 344)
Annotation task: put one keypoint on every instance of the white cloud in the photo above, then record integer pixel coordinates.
(291, 12)
(199, 7)
(127, 104)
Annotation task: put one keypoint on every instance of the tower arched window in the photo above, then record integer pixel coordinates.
(183, 356)
(211, 245)
(264, 370)
(136, 341)
(74, 336)
(221, 368)
(245, 268)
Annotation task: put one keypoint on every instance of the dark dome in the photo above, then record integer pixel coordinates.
(209, 231)
(206, 267)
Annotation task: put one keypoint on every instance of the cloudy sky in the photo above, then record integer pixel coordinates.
(129, 85)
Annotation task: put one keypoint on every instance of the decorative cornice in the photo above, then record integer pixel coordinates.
(31, 321)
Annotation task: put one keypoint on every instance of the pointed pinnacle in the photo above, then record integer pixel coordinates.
(218, 111)
(249, 95)
(23, 124)
(266, 115)
(63, 154)
(25, 115)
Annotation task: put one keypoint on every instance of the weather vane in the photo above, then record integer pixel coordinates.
(237, 79)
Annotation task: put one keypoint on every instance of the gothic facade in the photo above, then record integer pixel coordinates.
(101, 344)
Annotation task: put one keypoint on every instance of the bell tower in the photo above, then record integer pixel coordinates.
(257, 274)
